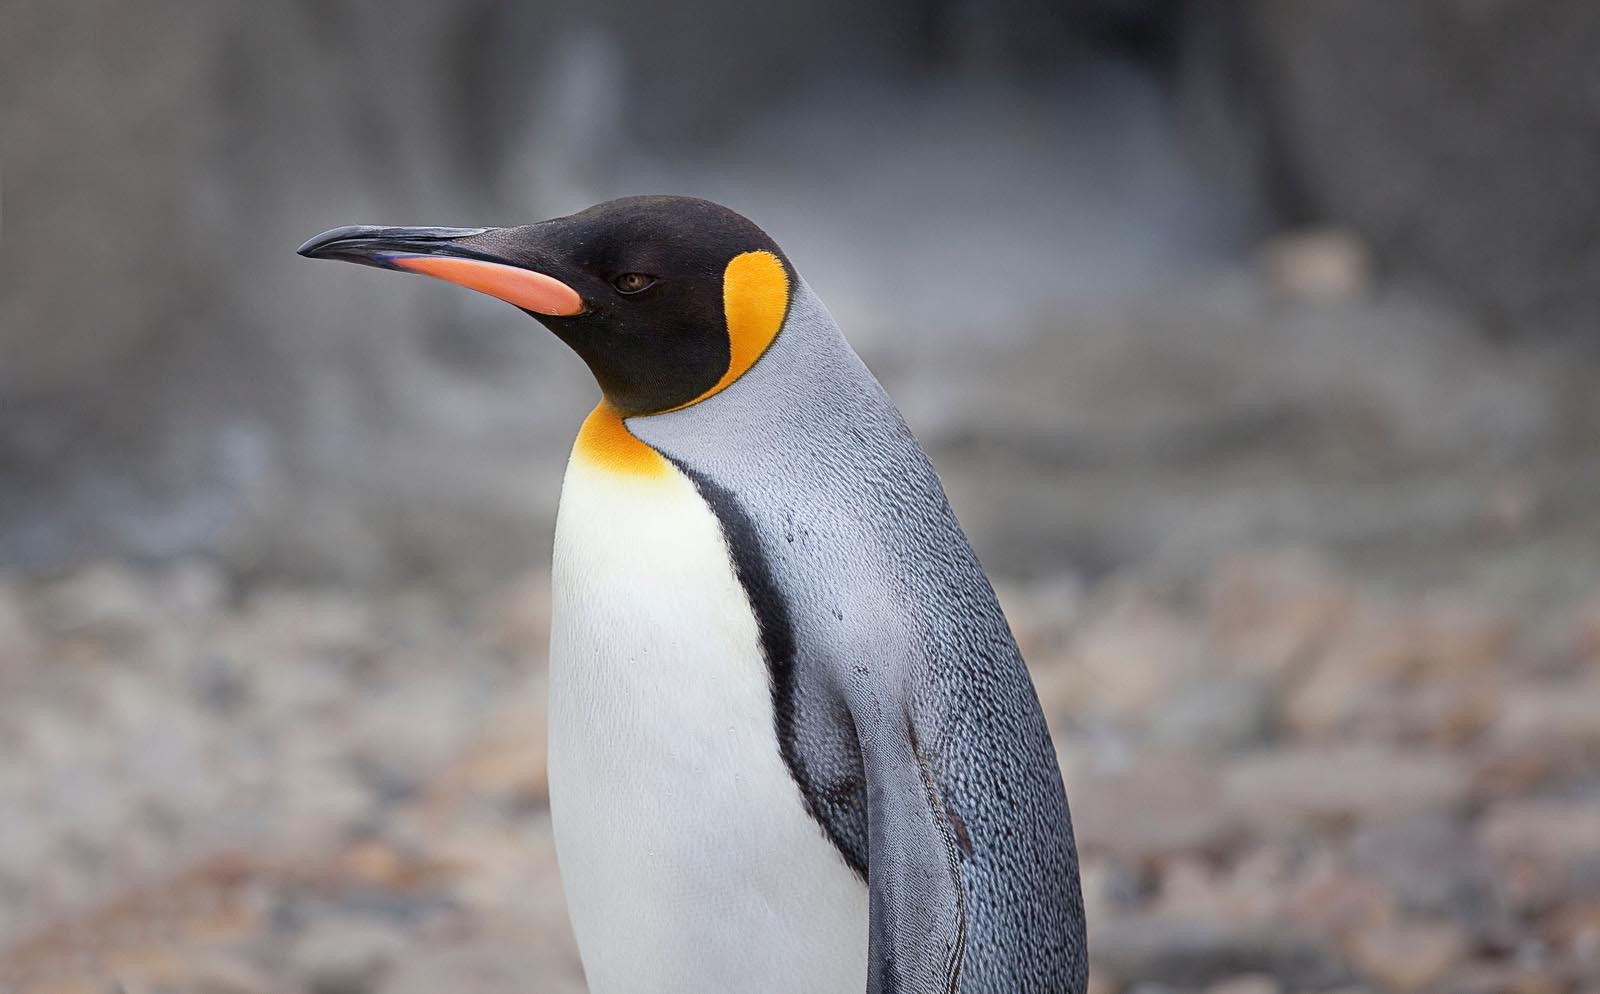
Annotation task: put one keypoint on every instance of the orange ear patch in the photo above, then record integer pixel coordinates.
(755, 299)
(606, 442)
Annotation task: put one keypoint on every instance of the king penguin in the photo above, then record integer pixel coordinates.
(793, 746)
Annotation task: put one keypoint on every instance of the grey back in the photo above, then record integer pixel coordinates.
(862, 577)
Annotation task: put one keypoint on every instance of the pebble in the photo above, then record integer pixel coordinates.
(1430, 864)
(1190, 954)
(1407, 957)
(1324, 265)
(1125, 663)
(344, 955)
(1247, 983)
(1457, 635)
(18, 642)
(1161, 807)
(481, 967)
(1273, 611)
(1552, 714)
(1289, 782)
(1214, 714)
(1545, 852)
(1303, 787)
(1586, 630)
(1510, 978)
(518, 621)
(1556, 830)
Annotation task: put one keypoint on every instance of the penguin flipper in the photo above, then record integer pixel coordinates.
(918, 929)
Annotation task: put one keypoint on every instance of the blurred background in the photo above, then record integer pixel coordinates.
(1274, 418)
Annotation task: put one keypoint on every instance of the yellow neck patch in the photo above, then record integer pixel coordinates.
(755, 300)
(606, 442)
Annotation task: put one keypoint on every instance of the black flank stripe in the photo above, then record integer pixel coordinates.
(777, 631)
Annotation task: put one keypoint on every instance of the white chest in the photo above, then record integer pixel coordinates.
(688, 860)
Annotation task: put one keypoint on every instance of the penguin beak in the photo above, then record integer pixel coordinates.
(457, 255)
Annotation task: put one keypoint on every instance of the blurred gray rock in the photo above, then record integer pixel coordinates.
(175, 380)
(482, 967)
(1160, 808)
(345, 955)
(1409, 957)
(1449, 133)
(1544, 852)
(1431, 865)
(1299, 787)
(1248, 983)
(1190, 954)
(1217, 714)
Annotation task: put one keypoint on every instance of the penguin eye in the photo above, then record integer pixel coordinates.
(633, 282)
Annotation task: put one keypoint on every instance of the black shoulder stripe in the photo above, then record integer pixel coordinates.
(776, 627)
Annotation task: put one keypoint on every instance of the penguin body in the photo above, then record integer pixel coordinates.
(794, 746)
(673, 811)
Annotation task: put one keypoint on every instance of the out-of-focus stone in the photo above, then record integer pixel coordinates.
(193, 586)
(18, 642)
(1430, 865)
(508, 760)
(1381, 643)
(1309, 786)
(1407, 956)
(1510, 978)
(518, 620)
(1326, 265)
(315, 622)
(1160, 808)
(1506, 769)
(1248, 894)
(1511, 506)
(344, 955)
(1247, 983)
(1041, 613)
(225, 975)
(1545, 853)
(482, 967)
(1101, 982)
(1550, 714)
(1447, 713)
(1274, 611)
(1454, 635)
(1586, 630)
(1220, 713)
(1372, 654)
(1330, 900)
(378, 863)
(108, 599)
(1126, 661)
(1190, 954)
(1576, 930)
(1557, 830)
(1330, 698)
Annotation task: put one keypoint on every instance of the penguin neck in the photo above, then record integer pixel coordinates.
(605, 443)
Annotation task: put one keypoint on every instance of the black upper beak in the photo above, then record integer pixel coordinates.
(376, 245)
(457, 255)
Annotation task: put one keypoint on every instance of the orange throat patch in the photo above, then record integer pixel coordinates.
(605, 442)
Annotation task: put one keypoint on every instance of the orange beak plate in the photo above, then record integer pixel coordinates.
(519, 287)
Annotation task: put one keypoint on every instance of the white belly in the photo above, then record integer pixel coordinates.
(689, 862)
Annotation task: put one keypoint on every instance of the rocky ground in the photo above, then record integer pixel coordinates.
(1283, 780)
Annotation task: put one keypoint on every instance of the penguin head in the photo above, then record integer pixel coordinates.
(667, 299)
